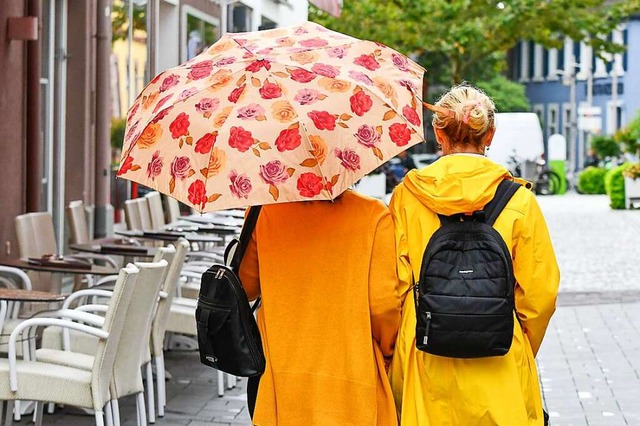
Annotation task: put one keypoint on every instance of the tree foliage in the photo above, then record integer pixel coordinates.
(508, 95)
(120, 19)
(464, 39)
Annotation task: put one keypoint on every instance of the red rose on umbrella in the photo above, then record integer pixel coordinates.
(235, 94)
(126, 166)
(360, 103)
(240, 185)
(180, 126)
(256, 66)
(309, 185)
(205, 143)
(169, 82)
(197, 193)
(270, 91)
(323, 120)
(301, 76)
(411, 115)
(367, 61)
(240, 139)
(200, 70)
(288, 139)
(400, 134)
(313, 42)
(161, 102)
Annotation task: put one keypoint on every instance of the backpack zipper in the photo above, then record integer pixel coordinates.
(425, 339)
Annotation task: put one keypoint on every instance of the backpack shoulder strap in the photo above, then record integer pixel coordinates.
(505, 191)
(245, 236)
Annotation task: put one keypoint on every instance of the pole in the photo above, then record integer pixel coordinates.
(34, 158)
(614, 98)
(223, 18)
(573, 124)
(104, 210)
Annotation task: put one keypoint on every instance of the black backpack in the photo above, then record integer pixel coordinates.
(228, 336)
(464, 297)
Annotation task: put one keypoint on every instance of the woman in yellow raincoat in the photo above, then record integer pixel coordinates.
(438, 391)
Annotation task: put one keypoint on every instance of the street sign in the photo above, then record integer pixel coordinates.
(590, 118)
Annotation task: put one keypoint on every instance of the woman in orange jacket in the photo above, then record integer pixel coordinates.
(435, 390)
(330, 311)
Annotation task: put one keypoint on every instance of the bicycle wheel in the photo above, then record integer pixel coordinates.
(548, 183)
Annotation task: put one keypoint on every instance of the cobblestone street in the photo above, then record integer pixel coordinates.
(589, 363)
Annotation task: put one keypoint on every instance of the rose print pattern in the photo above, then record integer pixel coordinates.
(289, 114)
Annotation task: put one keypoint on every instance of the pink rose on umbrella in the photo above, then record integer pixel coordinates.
(288, 139)
(265, 51)
(309, 185)
(411, 115)
(367, 136)
(337, 52)
(180, 167)
(360, 103)
(307, 96)
(240, 139)
(133, 111)
(323, 120)
(200, 70)
(225, 61)
(155, 166)
(161, 102)
(250, 112)
(270, 91)
(400, 134)
(207, 105)
(367, 61)
(407, 84)
(313, 42)
(301, 76)
(197, 193)
(169, 82)
(205, 143)
(162, 114)
(274, 172)
(349, 159)
(187, 93)
(236, 93)
(400, 62)
(180, 126)
(360, 77)
(325, 70)
(240, 184)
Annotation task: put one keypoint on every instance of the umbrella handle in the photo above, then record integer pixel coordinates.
(439, 110)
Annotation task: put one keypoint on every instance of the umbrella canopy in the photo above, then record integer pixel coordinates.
(290, 114)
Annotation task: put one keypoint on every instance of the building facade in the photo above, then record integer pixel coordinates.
(60, 87)
(577, 94)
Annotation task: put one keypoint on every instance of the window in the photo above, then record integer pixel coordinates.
(539, 110)
(566, 126)
(552, 119)
(267, 24)
(239, 18)
(200, 32)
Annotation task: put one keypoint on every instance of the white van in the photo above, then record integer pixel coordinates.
(518, 137)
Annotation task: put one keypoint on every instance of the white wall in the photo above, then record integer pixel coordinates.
(294, 12)
(168, 44)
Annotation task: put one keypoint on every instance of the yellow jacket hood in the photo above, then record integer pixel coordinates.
(456, 183)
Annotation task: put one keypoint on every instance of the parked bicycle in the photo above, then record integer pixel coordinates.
(545, 181)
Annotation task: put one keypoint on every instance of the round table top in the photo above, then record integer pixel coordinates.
(114, 247)
(19, 295)
(25, 264)
(171, 236)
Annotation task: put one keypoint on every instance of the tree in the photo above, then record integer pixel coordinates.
(508, 95)
(120, 19)
(466, 38)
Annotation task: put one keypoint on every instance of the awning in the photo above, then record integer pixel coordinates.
(330, 6)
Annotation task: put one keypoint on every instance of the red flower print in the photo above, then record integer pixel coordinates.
(200, 70)
(169, 82)
(367, 136)
(360, 103)
(197, 193)
(154, 168)
(301, 76)
(309, 185)
(162, 114)
(225, 61)
(349, 159)
(313, 42)
(180, 167)
(205, 143)
(288, 139)
(273, 172)
(270, 91)
(133, 111)
(240, 139)
(161, 102)
(256, 66)
(180, 126)
(325, 70)
(367, 61)
(323, 120)
(235, 94)
(240, 185)
(411, 115)
(400, 134)
(126, 166)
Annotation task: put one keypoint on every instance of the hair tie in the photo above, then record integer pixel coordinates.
(465, 116)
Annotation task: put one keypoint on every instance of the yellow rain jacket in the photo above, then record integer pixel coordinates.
(437, 391)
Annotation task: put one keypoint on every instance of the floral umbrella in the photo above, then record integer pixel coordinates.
(290, 114)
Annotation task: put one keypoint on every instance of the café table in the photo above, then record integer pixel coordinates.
(170, 236)
(30, 266)
(107, 246)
